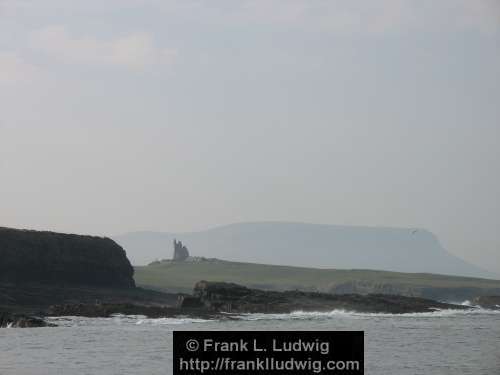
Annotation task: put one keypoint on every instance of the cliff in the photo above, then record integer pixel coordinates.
(62, 259)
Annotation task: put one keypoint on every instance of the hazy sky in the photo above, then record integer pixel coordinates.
(124, 115)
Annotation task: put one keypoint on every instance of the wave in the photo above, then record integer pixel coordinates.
(467, 303)
(121, 319)
(314, 315)
(172, 321)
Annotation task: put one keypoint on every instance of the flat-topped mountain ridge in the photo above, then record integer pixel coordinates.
(309, 245)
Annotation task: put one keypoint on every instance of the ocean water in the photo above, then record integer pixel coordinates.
(442, 342)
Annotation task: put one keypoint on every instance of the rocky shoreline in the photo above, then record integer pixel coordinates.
(233, 298)
(107, 310)
(46, 274)
(210, 300)
(487, 302)
(22, 321)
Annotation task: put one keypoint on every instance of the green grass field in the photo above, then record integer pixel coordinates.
(181, 277)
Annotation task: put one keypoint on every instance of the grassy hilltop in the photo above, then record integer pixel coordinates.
(181, 276)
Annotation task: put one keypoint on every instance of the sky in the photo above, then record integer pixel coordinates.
(130, 115)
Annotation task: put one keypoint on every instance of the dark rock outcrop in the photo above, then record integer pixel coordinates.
(189, 302)
(21, 321)
(22, 304)
(487, 302)
(108, 309)
(62, 259)
(228, 297)
(180, 251)
(214, 300)
(35, 299)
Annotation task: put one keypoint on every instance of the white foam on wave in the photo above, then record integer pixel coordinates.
(123, 316)
(120, 319)
(466, 303)
(313, 315)
(171, 321)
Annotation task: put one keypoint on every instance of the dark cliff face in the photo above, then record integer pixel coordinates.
(56, 258)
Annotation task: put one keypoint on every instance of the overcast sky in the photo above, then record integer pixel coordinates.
(125, 115)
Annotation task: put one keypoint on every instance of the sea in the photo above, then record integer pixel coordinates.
(453, 342)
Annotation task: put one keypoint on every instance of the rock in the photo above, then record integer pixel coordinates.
(95, 310)
(21, 321)
(228, 297)
(109, 309)
(189, 302)
(39, 300)
(487, 302)
(62, 259)
(181, 252)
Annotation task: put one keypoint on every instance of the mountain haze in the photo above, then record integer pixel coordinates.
(308, 245)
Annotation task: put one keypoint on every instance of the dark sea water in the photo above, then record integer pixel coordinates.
(443, 342)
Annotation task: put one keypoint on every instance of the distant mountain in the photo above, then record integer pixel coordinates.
(308, 245)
